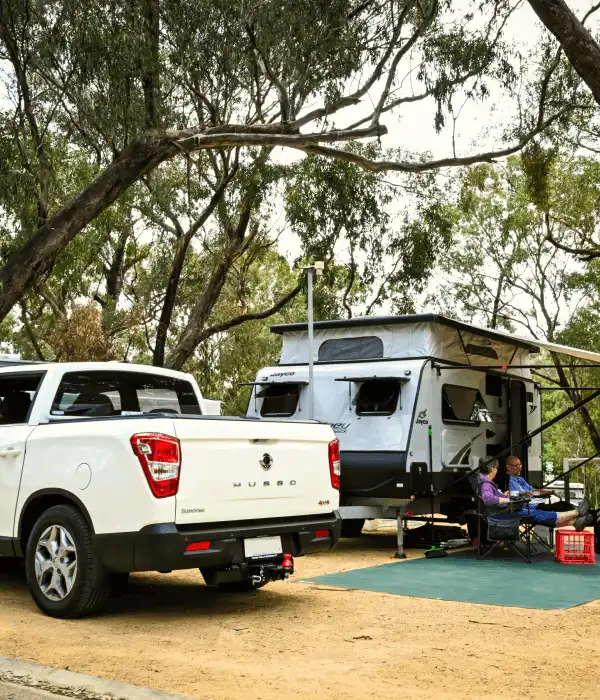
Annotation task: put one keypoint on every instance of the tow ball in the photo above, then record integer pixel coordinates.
(273, 572)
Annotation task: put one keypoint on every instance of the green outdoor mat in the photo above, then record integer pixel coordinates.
(544, 584)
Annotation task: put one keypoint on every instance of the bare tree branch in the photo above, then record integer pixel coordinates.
(256, 316)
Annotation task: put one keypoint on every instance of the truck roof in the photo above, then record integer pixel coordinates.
(20, 365)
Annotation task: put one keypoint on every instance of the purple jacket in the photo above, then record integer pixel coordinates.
(489, 492)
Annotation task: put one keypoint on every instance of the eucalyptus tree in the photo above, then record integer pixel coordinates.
(118, 89)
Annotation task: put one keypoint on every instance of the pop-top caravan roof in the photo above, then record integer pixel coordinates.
(401, 337)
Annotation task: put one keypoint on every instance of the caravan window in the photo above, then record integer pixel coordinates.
(341, 349)
(482, 350)
(463, 404)
(279, 400)
(377, 397)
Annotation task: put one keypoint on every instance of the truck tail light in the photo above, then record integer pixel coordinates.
(197, 546)
(334, 463)
(160, 457)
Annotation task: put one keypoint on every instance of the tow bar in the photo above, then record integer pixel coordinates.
(276, 571)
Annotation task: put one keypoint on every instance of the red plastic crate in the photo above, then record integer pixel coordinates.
(574, 547)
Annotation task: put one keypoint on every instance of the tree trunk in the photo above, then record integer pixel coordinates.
(36, 257)
(578, 44)
(203, 334)
(39, 254)
(181, 250)
(191, 335)
(166, 314)
(151, 81)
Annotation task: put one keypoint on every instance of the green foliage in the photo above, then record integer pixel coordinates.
(537, 165)
(100, 74)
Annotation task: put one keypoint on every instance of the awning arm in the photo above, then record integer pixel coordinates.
(572, 469)
(568, 388)
(368, 379)
(438, 365)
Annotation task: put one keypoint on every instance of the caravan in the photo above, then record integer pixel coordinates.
(416, 401)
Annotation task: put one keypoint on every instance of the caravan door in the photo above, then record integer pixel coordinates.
(517, 420)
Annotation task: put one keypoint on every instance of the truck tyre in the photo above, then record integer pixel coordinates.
(246, 585)
(352, 527)
(64, 574)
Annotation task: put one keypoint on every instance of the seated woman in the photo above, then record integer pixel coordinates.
(492, 496)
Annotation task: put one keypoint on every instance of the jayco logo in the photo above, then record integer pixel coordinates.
(422, 418)
(340, 428)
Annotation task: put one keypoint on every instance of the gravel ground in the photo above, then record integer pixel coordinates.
(8, 691)
(290, 640)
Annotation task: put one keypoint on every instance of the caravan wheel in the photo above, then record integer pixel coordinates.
(353, 527)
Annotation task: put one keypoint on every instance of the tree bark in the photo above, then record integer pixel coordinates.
(578, 44)
(237, 244)
(37, 256)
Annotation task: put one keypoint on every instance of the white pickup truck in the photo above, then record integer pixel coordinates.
(109, 468)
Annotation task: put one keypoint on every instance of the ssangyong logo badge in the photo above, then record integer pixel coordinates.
(266, 462)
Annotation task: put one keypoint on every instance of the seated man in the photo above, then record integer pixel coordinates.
(492, 496)
(518, 483)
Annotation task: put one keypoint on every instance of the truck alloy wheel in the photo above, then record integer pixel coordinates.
(56, 562)
(64, 574)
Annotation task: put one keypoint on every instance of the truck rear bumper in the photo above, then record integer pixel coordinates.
(162, 547)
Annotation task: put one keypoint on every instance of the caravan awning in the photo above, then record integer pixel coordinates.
(572, 352)
(552, 347)
(368, 379)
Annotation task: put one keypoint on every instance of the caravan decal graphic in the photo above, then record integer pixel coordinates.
(462, 456)
(422, 418)
(340, 428)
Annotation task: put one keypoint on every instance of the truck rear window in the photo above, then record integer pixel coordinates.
(109, 393)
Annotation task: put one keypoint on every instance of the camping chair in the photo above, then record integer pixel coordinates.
(494, 531)
(528, 531)
(529, 534)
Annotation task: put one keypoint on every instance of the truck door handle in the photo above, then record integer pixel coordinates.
(10, 452)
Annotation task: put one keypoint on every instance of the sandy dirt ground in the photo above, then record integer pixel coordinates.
(291, 640)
